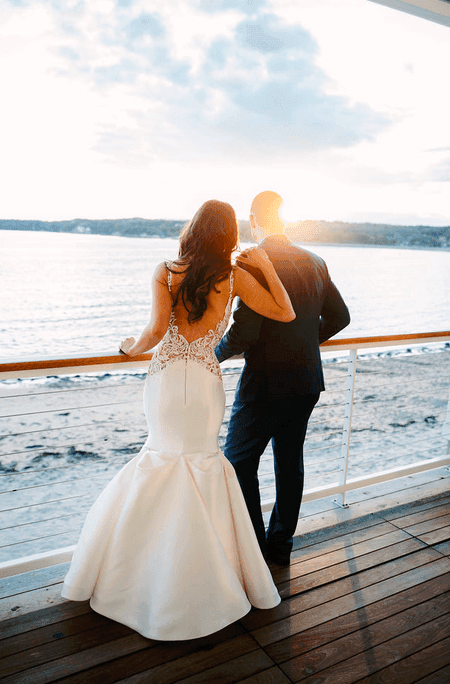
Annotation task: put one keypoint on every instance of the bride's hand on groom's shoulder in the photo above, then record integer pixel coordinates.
(254, 256)
(126, 345)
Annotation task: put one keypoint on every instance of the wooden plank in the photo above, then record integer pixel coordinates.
(331, 525)
(435, 537)
(348, 567)
(341, 587)
(416, 665)
(365, 638)
(379, 501)
(59, 648)
(428, 525)
(165, 661)
(316, 637)
(379, 659)
(420, 504)
(35, 579)
(271, 676)
(443, 548)
(82, 660)
(398, 492)
(340, 541)
(439, 677)
(46, 635)
(46, 616)
(301, 566)
(301, 621)
(422, 516)
(225, 673)
(30, 602)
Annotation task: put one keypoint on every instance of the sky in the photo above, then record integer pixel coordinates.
(124, 108)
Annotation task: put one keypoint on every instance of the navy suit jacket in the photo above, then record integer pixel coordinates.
(282, 360)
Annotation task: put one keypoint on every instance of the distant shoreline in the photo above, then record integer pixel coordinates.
(305, 245)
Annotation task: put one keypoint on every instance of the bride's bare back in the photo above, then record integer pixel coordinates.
(215, 310)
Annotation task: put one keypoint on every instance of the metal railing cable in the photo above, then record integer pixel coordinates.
(59, 427)
(67, 390)
(72, 408)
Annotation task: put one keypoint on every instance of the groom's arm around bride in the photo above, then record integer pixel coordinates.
(282, 376)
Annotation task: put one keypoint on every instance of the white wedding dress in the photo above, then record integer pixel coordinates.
(168, 548)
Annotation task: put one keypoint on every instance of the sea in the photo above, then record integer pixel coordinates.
(65, 293)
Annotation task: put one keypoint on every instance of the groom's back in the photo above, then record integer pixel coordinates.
(285, 358)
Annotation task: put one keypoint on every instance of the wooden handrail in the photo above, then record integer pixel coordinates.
(377, 339)
(70, 361)
(103, 358)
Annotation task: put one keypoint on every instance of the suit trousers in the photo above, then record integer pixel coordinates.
(252, 425)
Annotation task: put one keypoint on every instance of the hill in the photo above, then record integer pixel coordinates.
(331, 232)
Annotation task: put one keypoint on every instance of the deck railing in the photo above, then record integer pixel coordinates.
(43, 503)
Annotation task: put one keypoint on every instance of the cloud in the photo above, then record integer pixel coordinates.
(441, 172)
(244, 6)
(252, 89)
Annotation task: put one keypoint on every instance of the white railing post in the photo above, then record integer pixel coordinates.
(347, 426)
(446, 426)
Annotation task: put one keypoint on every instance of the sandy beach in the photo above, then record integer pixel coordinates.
(63, 438)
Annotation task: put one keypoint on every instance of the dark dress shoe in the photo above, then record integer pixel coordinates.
(278, 557)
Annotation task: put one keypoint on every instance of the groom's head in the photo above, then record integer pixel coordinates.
(265, 215)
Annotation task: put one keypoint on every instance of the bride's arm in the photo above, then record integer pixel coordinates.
(159, 320)
(274, 304)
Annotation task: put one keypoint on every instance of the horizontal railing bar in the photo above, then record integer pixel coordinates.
(384, 340)
(98, 388)
(322, 422)
(319, 405)
(329, 446)
(58, 482)
(383, 438)
(44, 503)
(328, 460)
(41, 560)
(41, 520)
(100, 462)
(392, 383)
(70, 408)
(60, 446)
(329, 472)
(403, 408)
(35, 539)
(419, 451)
(59, 427)
(74, 362)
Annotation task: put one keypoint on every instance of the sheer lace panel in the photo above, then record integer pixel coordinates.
(175, 347)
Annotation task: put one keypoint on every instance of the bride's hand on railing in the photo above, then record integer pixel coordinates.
(126, 345)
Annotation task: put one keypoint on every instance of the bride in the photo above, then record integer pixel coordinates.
(168, 548)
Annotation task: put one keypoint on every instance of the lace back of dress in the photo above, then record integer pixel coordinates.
(174, 346)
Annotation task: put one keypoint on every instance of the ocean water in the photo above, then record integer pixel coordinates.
(65, 293)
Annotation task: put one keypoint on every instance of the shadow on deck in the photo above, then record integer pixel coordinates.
(366, 599)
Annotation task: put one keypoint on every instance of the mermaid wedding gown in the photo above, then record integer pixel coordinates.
(168, 548)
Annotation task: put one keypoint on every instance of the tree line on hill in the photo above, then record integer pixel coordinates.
(331, 232)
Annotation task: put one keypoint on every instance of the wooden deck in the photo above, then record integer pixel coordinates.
(367, 601)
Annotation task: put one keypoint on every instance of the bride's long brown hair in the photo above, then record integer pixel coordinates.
(206, 245)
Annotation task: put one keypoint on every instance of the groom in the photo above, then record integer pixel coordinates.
(282, 376)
